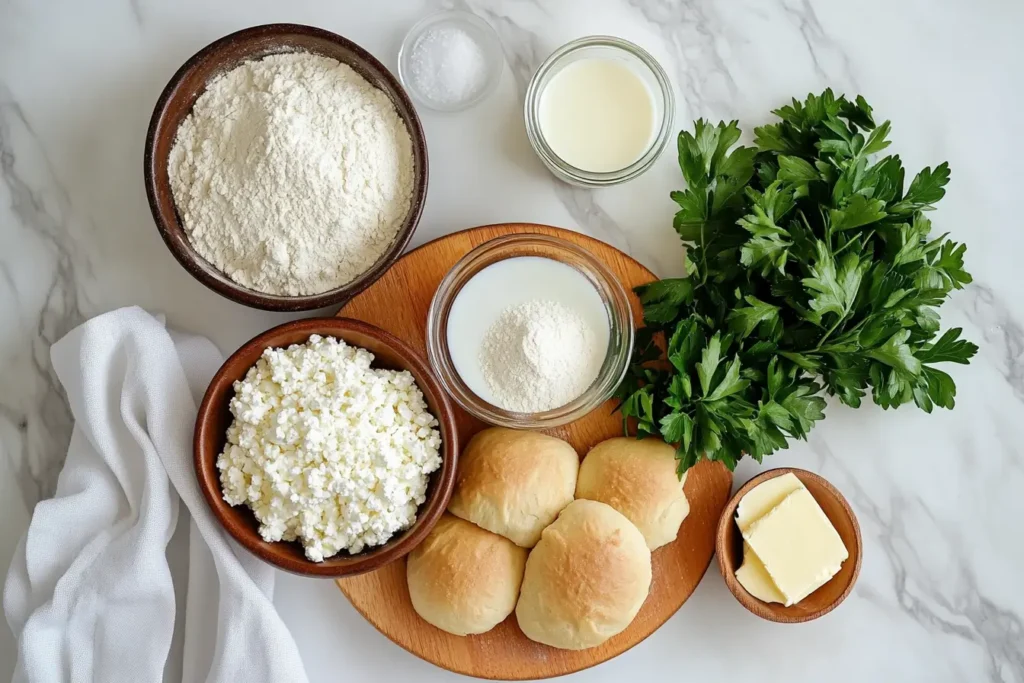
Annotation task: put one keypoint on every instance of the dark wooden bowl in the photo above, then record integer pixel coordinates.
(214, 417)
(176, 102)
(729, 548)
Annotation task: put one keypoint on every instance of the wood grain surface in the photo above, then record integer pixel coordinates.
(398, 302)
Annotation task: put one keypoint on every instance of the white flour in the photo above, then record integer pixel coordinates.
(292, 174)
(539, 355)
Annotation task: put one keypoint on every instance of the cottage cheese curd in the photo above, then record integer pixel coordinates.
(326, 450)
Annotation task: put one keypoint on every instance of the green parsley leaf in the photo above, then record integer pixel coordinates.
(710, 357)
(773, 137)
(876, 141)
(685, 345)
(809, 272)
(927, 188)
(940, 390)
(858, 212)
(663, 299)
(677, 428)
(833, 291)
(796, 170)
(945, 269)
(730, 384)
(743, 320)
(897, 354)
(805, 407)
(949, 348)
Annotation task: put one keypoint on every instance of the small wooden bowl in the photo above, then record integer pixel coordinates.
(729, 549)
(189, 83)
(214, 418)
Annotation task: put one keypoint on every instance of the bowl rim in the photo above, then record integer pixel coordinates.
(193, 262)
(368, 560)
(613, 369)
(748, 601)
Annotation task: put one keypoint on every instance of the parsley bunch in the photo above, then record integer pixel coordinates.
(811, 270)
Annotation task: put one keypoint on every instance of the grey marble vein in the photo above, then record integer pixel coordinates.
(959, 608)
(136, 9)
(938, 497)
(693, 30)
(36, 419)
(819, 44)
(990, 314)
(524, 52)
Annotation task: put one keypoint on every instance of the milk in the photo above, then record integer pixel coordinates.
(597, 115)
(508, 283)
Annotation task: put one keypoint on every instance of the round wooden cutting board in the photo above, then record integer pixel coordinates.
(398, 302)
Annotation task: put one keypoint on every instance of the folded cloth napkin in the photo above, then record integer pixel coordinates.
(90, 595)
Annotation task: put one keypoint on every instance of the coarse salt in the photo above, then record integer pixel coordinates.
(447, 66)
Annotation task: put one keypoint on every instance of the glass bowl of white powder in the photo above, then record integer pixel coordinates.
(530, 331)
(450, 61)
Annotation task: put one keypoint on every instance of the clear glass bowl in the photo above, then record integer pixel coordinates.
(616, 303)
(476, 28)
(641, 63)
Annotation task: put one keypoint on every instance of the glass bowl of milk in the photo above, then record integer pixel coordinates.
(599, 111)
(529, 331)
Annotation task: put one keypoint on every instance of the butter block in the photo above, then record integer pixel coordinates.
(798, 545)
(764, 497)
(753, 576)
(758, 502)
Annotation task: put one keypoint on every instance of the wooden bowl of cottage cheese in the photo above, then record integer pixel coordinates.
(285, 167)
(318, 458)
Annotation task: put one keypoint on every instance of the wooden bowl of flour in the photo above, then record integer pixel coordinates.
(177, 101)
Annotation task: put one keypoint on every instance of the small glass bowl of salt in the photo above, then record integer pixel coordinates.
(450, 61)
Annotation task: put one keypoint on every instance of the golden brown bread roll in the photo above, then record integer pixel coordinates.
(514, 483)
(586, 579)
(637, 478)
(463, 579)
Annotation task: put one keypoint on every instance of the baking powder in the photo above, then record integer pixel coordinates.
(539, 355)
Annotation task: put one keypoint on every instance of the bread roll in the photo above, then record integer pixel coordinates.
(637, 478)
(514, 483)
(463, 579)
(585, 580)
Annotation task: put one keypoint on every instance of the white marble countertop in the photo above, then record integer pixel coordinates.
(938, 497)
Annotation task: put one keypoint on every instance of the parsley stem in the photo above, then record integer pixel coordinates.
(863, 239)
(828, 334)
(847, 333)
(807, 223)
(842, 248)
(703, 255)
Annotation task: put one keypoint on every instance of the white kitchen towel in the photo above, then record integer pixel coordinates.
(90, 595)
